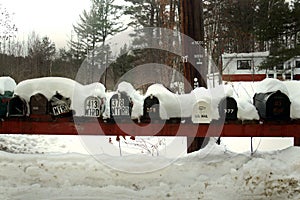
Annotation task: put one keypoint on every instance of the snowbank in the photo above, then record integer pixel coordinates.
(7, 84)
(211, 173)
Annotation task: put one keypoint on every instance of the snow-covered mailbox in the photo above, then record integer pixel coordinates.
(120, 106)
(93, 106)
(201, 112)
(151, 108)
(4, 99)
(272, 105)
(38, 104)
(60, 105)
(17, 107)
(228, 109)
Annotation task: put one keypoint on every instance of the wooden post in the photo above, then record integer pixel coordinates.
(192, 25)
(297, 141)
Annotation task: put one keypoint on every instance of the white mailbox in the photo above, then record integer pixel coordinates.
(201, 112)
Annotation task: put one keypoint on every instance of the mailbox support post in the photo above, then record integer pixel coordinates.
(193, 26)
(297, 141)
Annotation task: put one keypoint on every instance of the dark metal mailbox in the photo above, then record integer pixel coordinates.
(151, 108)
(94, 107)
(39, 104)
(4, 99)
(272, 105)
(60, 105)
(228, 108)
(120, 106)
(17, 107)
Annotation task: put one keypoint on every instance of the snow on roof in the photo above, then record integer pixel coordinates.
(7, 84)
(246, 55)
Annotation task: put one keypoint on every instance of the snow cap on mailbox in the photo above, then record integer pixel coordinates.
(168, 101)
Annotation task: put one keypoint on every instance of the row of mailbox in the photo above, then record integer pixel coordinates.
(270, 106)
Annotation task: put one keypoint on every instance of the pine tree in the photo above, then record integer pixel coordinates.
(41, 52)
(95, 25)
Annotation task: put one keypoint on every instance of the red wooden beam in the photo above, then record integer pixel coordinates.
(95, 127)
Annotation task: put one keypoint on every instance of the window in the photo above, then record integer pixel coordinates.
(297, 64)
(244, 64)
(279, 66)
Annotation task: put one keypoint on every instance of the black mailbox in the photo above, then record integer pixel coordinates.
(4, 99)
(38, 104)
(17, 107)
(120, 106)
(272, 105)
(60, 105)
(228, 108)
(94, 107)
(151, 108)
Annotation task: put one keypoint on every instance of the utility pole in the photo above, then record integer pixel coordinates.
(192, 25)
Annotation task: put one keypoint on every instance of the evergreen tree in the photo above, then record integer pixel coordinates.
(95, 26)
(41, 53)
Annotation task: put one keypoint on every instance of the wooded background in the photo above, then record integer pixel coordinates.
(229, 26)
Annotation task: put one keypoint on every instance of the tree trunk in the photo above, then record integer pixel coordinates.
(192, 25)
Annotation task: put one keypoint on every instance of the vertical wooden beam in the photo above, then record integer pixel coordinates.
(297, 141)
(192, 25)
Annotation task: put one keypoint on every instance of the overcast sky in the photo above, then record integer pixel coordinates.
(52, 18)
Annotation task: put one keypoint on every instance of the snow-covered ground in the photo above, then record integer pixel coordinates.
(211, 173)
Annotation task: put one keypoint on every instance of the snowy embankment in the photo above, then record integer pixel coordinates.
(218, 175)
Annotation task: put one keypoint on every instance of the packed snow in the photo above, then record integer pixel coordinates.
(172, 105)
(49, 86)
(211, 173)
(7, 84)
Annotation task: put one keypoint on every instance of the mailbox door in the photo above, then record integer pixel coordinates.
(17, 107)
(151, 108)
(278, 106)
(4, 99)
(38, 104)
(228, 108)
(201, 113)
(60, 105)
(93, 107)
(120, 106)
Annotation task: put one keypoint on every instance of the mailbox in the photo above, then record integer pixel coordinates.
(38, 104)
(17, 107)
(60, 105)
(120, 106)
(4, 99)
(201, 112)
(272, 105)
(228, 109)
(151, 108)
(94, 106)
